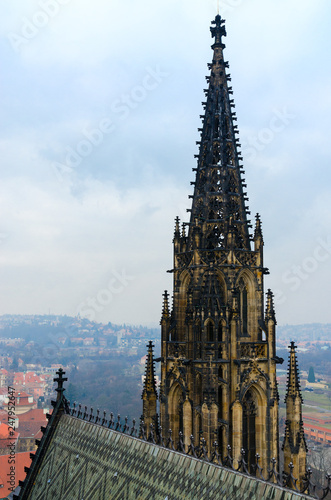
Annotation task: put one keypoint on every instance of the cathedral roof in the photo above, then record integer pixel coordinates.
(85, 460)
(83, 456)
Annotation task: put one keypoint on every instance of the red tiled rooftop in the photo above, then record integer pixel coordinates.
(308, 425)
(30, 429)
(22, 394)
(21, 460)
(37, 414)
(3, 416)
(6, 432)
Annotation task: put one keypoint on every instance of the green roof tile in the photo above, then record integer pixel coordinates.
(84, 460)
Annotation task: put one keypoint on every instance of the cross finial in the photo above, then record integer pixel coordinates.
(218, 31)
(60, 379)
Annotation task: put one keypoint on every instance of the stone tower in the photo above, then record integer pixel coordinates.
(294, 445)
(218, 375)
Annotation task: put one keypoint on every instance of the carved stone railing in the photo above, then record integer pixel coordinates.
(253, 349)
(200, 451)
(176, 349)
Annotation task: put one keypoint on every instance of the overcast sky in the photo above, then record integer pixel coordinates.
(100, 105)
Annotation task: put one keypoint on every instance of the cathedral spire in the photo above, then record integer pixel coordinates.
(219, 200)
(294, 445)
(149, 394)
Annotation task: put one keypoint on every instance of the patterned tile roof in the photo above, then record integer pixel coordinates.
(85, 460)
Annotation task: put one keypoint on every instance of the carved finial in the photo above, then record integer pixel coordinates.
(218, 31)
(293, 378)
(60, 379)
(150, 383)
(270, 308)
(258, 228)
(177, 228)
(165, 308)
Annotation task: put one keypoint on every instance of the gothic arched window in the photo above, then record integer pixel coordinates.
(197, 328)
(220, 332)
(243, 307)
(210, 332)
(249, 428)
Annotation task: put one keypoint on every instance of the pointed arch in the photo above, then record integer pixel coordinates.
(184, 283)
(214, 292)
(198, 387)
(210, 330)
(220, 401)
(197, 338)
(197, 330)
(243, 306)
(175, 402)
(198, 426)
(246, 287)
(220, 331)
(254, 403)
(249, 405)
(223, 288)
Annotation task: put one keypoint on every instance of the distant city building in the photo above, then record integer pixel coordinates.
(318, 427)
(23, 402)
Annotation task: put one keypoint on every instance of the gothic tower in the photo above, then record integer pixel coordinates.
(294, 445)
(218, 375)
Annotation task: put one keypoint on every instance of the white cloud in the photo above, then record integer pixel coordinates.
(115, 208)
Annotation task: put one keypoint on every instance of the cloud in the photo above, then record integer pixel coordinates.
(62, 243)
(113, 207)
